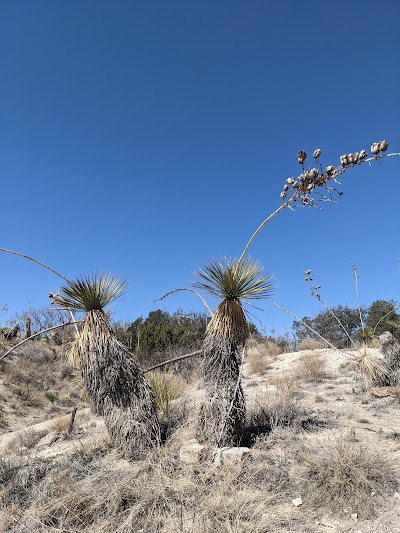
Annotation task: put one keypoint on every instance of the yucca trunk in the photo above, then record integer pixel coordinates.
(117, 388)
(390, 349)
(223, 413)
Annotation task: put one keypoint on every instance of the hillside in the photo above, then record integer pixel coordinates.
(315, 432)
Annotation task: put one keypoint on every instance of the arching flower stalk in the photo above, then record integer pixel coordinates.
(116, 386)
(315, 185)
(222, 415)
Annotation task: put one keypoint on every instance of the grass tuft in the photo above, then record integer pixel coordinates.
(342, 473)
(312, 367)
(374, 369)
(167, 388)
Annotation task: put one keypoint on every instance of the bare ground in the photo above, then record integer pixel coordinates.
(310, 406)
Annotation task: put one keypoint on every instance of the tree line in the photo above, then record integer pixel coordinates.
(360, 324)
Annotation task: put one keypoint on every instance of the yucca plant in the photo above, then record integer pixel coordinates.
(116, 386)
(223, 412)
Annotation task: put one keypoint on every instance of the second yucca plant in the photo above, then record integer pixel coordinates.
(223, 412)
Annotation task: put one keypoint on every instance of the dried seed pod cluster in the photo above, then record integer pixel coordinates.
(313, 288)
(301, 157)
(301, 187)
(352, 159)
(304, 188)
(381, 146)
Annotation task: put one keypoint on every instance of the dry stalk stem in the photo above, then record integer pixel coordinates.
(355, 276)
(186, 289)
(35, 261)
(313, 331)
(173, 360)
(44, 266)
(71, 422)
(314, 291)
(384, 316)
(304, 195)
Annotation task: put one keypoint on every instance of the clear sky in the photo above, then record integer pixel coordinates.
(147, 137)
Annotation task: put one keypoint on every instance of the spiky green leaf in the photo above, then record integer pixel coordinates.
(90, 292)
(232, 280)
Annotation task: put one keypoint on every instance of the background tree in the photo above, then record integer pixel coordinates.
(326, 325)
(382, 316)
(378, 318)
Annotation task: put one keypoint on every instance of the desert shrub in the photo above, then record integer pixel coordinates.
(51, 395)
(311, 367)
(382, 316)
(326, 325)
(162, 333)
(43, 318)
(257, 364)
(341, 473)
(311, 344)
(266, 347)
(24, 439)
(273, 409)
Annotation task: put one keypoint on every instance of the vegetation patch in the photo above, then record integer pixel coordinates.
(341, 473)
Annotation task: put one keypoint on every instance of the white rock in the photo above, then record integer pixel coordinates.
(234, 456)
(354, 517)
(297, 502)
(396, 495)
(229, 456)
(327, 522)
(191, 452)
(46, 440)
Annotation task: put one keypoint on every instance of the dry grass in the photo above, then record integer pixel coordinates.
(260, 353)
(311, 344)
(90, 488)
(257, 364)
(341, 473)
(3, 420)
(30, 374)
(312, 367)
(95, 493)
(60, 424)
(167, 388)
(264, 347)
(276, 408)
(24, 440)
(287, 383)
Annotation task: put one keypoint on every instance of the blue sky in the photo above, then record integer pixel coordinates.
(145, 138)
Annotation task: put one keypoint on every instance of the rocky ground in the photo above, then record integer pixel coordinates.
(321, 454)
